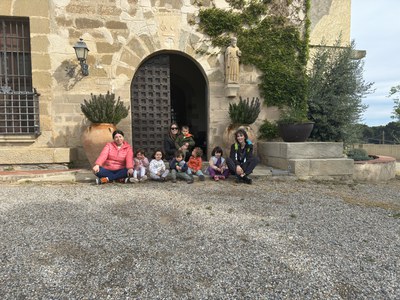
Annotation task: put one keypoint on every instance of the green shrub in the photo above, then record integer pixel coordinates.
(104, 109)
(293, 115)
(244, 112)
(268, 130)
(358, 154)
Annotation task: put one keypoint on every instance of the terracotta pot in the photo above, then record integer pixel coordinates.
(94, 138)
(295, 132)
(229, 138)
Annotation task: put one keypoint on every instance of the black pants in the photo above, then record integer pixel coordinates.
(247, 167)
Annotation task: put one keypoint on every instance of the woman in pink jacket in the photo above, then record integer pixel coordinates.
(115, 161)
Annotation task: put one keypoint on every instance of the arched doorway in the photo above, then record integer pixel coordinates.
(168, 87)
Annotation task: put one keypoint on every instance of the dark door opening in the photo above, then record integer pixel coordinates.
(188, 98)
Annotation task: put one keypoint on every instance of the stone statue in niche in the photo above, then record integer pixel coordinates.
(232, 55)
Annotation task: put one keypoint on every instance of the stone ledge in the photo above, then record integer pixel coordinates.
(30, 155)
(380, 169)
(306, 150)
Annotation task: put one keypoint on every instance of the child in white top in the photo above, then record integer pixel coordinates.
(140, 167)
(157, 168)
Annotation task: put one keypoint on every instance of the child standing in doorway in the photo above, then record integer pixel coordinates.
(141, 167)
(218, 168)
(179, 168)
(157, 168)
(195, 163)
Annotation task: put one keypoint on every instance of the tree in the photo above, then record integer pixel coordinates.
(335, 91)
(395, 90)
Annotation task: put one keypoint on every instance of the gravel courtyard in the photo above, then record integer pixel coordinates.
(209, 240)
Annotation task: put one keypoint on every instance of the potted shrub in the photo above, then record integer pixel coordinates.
(242, 115)
(268, 131)
(293, 124)
(104, 112)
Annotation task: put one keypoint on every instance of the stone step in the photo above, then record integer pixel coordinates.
(86, 175)
(329, 168)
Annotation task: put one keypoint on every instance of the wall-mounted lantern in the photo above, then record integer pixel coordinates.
(82, 51)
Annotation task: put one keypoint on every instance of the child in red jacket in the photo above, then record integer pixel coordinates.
(195, 163)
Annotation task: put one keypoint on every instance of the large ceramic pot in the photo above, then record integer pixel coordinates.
(94, 138)
(295, 132)
(229, 137)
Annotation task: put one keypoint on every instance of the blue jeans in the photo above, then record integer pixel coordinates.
(112, 174)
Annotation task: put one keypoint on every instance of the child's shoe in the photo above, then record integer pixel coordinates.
(216, 177)
(201, 177)
(133, 179)
(222, 177)
(143, 178)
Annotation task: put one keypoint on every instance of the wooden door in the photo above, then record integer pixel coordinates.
(151, 104)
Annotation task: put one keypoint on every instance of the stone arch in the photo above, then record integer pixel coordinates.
(168, 86)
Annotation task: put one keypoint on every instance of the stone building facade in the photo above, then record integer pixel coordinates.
(126, 37)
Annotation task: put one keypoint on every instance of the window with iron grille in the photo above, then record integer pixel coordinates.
(19, 102)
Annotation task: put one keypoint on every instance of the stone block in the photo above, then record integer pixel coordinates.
(41, 80)
(116, 25)
(88, 23)
(40, 43)
(5, 7)
(62, 21)
(275, 162)
(39, 25)
(231, 90)
(307, 150)
(39, 8)
(108, 10)
(81, 9)
(40, 61)
(31, 155)
(321, 167)
(104, 47)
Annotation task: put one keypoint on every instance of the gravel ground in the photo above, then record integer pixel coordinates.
(208, 240)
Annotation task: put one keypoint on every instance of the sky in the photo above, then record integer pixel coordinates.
(375, 27)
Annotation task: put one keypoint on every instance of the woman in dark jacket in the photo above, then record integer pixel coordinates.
(169, 141)
(241, 161)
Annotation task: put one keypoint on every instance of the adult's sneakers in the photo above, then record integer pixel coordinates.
(102, 180)
(247, 180)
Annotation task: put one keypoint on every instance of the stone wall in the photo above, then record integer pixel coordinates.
(330, 19)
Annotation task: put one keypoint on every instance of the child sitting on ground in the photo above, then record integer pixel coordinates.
(185, 142)
(157, 168)
(218, 168)
(195, 163)
(140, 167)
(179, 168)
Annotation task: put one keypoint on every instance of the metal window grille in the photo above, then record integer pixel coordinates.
(19, 102)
